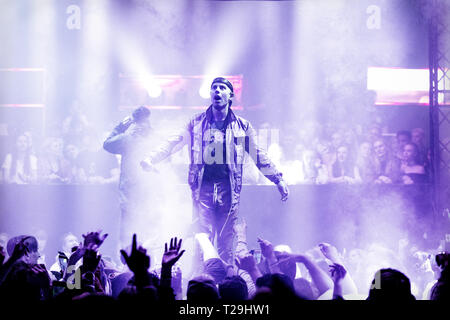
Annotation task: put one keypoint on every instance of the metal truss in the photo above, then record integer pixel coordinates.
(439, 97)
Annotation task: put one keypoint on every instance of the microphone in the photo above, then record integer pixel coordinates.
(126, 123)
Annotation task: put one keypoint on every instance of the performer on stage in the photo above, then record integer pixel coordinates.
(132, 138)
(217, 140)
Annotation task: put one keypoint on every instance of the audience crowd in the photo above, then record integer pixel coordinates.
(80, 272)
(312, 154)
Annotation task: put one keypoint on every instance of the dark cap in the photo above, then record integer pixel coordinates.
(141, 113)
(224, 81)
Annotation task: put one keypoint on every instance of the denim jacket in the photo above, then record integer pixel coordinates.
(240, 137)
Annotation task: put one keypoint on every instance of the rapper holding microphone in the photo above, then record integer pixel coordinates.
(130, 139)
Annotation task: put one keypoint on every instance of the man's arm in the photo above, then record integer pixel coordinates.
(172, 145)
(320, 278)
(347, 284)
(116, 141)
(262, 161)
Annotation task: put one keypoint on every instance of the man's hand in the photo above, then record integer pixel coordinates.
(330, 252)
(92, 239)
(90, 260)
(283, 189)
(337, 272)
(127, 121)
(20, 249)
(266, 248)
(41, 278)
(246, 262)
(172, 254)
(147, 165)
(138, 261)
(76, 255)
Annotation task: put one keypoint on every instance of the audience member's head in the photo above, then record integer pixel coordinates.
(70, 241)
(30, 242)
(380, 149)
(342, 153)
(403, 137)
(390, 285)
(233, 289)
(418, 136)
(202, 289)
(411, 153)
(280, 286)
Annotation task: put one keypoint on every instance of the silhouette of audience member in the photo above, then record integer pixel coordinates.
(21, 278)
(233, 289)
(202, 289)
(390, 285)
(275, 287)
(441, 290)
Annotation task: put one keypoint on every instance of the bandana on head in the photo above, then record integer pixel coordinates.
(224, 81)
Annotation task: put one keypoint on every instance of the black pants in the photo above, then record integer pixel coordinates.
(216, 216)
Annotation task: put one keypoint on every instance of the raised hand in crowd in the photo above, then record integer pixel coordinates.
(91, 259)
(171, 255)
(138, 261)
(74, 258)
(247, 262)
(266, 248)
(268, 253)
(319, 277)
(94, 240)
(338, 273)
(347, 284)
(330, 252)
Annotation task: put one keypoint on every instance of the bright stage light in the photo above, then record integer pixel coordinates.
(153, 91)
(204, 91)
